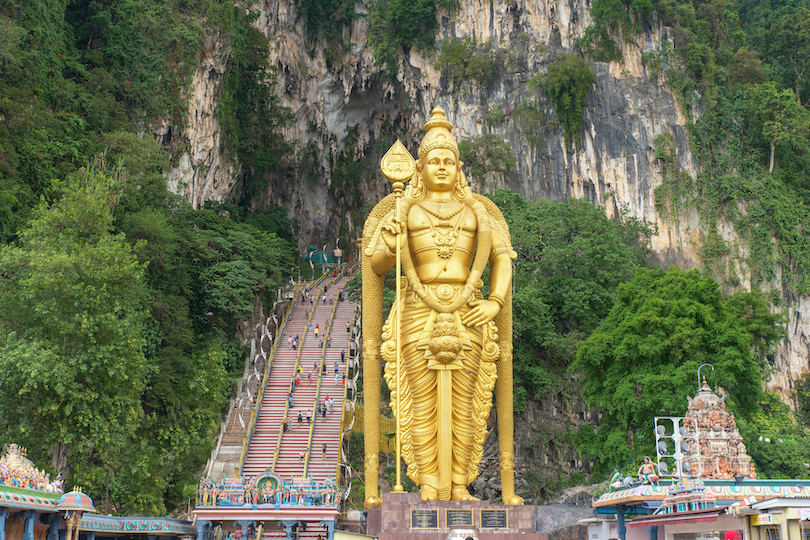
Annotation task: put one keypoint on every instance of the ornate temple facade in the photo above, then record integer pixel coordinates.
(32, 507)
(716, 449)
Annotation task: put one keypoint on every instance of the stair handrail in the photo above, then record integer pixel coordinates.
(327, 275)
(246, 443)
(267, 368)
(318, 388)
(295, 370)
(340, 437)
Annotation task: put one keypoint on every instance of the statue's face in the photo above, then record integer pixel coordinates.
(440, 170)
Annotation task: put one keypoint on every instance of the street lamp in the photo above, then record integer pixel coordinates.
(698, 373)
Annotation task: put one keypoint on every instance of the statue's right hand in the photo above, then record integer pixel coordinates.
(389, 232)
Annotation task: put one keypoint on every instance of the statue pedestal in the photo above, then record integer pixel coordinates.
(406, 517)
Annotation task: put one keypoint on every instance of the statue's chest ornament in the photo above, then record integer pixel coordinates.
(445, 234)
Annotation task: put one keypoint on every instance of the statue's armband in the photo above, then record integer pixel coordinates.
(499, 246)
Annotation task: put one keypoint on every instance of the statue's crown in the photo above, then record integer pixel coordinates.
(437, 135)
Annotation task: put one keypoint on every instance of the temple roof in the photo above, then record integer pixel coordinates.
(721, 490)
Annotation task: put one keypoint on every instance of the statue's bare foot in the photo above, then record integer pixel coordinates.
(460, 493)
(428, 493)
(514, 500)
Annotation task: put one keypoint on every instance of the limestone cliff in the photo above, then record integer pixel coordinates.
(350, 107)
(202, 171)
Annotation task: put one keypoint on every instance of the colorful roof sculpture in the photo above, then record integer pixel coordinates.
(721, 490)
(685, 496)
(17, 471)
(717, 450)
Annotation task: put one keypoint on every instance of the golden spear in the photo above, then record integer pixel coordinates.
(398, 166)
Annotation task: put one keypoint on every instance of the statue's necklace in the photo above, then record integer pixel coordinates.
(445, 241)
(483, 245)
(442, 210)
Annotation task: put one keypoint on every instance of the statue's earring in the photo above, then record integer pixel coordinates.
(417, 188)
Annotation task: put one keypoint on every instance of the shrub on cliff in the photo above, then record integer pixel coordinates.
(567, 85)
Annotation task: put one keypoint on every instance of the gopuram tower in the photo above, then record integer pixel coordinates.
(716, 449)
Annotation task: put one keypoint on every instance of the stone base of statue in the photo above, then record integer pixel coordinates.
(406, 517)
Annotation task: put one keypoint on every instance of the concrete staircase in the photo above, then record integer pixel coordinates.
(312, 356)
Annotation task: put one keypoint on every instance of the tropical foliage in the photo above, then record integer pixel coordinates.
(397, 25)
(567, 85)
(641, 361)
(118, 301)
(571, 259)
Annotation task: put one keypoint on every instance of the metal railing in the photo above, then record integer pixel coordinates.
(353, 401)
(287, 402)
(321, 370)
(387, 426)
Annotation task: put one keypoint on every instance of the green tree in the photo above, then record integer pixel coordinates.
(485, 154)
(567, 85)
(10, 37)
(642, 359)
(746, 68)
(777, 444)
(464, 59)
(146, 48)
(72, 317)
(571, 259)
(789, 41)
(610, 17)
(250, 112)
(229, 286)
(783, 123)
(397, 25)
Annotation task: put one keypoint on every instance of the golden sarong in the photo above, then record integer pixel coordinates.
(431, 451)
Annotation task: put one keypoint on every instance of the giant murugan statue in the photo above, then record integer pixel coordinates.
(445, 346)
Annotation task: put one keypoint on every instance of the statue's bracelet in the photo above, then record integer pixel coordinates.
(497, 299)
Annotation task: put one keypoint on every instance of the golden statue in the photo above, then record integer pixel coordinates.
(444, 345)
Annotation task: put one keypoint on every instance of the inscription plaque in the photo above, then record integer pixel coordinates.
(458, 519)
(424, 519)
(494, 519)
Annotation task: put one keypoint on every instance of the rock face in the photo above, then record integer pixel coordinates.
(348, 107)
(202, 172)
(544, 453)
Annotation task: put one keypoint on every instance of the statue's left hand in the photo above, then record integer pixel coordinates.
(481, 313)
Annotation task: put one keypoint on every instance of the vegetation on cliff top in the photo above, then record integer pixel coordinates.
(739, 71)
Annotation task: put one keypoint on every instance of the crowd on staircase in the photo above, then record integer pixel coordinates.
(300, 409)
